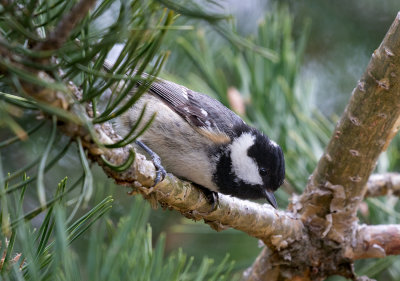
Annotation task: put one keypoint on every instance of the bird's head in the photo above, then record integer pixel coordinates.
(259, 163)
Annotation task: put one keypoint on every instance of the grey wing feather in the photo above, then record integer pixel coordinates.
(206, 114)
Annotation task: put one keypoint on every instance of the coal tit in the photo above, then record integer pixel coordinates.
(199, 139)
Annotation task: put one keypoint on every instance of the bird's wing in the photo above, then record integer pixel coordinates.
(207, 115)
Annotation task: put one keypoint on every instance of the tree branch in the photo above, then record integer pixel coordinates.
(383, 184)
(329, 204)
(368, 124)
(375, 241)
(275, 228)
(62, 31)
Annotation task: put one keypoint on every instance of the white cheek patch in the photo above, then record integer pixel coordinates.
(243, 166)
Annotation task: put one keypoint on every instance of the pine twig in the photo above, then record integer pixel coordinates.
(64, 28)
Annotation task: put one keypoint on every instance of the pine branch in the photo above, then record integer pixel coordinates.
(275, 228)
(365, 129)
(61, 33)
(375, 241)
(383, 184)
(329, 204)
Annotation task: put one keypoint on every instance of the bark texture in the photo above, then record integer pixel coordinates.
(383, 184)
(329, 204)
(375, 241)
(365, 129)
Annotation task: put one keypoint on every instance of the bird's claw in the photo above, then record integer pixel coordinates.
(160, 171)
(211, 196)
(213, 199)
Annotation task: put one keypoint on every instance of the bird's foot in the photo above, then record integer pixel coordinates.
(211, 196)
(160, 171)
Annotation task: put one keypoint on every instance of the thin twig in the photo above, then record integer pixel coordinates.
(64, 28)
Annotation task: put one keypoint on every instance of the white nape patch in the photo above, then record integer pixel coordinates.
(244, 166)
(274, 144)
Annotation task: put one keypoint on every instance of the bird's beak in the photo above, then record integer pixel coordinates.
(271, 198)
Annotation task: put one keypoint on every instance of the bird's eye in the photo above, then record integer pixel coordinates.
(263, 171)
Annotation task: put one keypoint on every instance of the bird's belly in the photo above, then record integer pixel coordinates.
(183, 151)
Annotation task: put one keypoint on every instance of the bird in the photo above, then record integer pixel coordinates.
(197, 138)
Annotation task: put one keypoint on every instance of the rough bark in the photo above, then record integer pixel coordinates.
(276, 228)
(329, 204)
(375, 241)
(383, 184)
(365, 129)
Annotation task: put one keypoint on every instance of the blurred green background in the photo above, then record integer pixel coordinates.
(322, 49)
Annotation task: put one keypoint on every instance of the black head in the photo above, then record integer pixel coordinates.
(270, 161)
(252, 167)
(271, 164)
